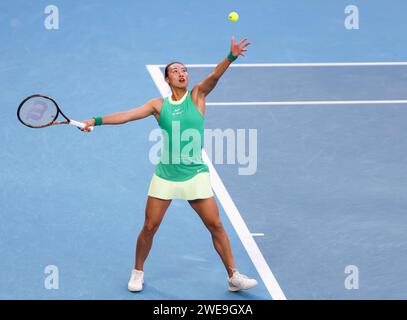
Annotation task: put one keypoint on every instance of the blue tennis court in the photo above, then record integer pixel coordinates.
(305, 140)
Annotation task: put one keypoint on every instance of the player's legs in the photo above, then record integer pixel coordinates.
(154, 214)
(208, 211)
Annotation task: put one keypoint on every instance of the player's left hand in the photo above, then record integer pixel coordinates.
(239, 48)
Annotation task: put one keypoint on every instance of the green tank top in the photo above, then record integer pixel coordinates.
(182, 127)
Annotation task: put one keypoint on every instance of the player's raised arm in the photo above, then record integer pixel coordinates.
(149, 108)
(236, 49)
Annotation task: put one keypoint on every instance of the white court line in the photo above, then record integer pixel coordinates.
(156, 69)
(305, 103)
(258, 234)
(230, 208)
(158, 78)
(288, 65)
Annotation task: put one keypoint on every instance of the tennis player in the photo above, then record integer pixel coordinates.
(181, 174)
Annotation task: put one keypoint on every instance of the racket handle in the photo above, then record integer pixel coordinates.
(79, 124)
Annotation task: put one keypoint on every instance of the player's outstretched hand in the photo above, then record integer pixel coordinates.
(88, 125)
(237, 49)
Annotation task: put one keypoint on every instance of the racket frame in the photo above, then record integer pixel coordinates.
(53, 122)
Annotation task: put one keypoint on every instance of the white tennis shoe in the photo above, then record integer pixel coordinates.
(136, 281)
(240, 282)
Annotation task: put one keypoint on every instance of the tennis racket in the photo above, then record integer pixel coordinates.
(39, 111)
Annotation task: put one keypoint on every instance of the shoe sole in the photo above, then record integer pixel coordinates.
(136, 290)
(234, 289)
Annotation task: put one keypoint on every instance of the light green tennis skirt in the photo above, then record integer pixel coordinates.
(198, 187)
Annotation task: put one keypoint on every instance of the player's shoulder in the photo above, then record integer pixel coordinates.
(156, 103)
(196, 90)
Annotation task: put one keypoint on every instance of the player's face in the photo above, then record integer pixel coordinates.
(178, 76)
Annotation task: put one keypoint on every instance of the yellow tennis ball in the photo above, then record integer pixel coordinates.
(233, 16)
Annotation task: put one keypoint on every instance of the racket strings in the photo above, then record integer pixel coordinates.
(38, 112)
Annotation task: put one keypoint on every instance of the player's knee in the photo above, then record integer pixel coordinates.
(216, 227)
(150, 228)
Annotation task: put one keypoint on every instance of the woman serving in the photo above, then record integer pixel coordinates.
(181, 172)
